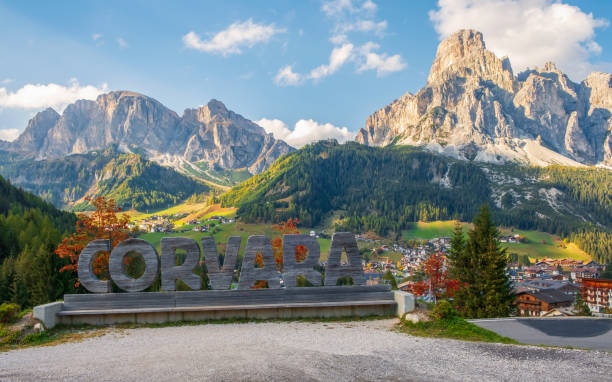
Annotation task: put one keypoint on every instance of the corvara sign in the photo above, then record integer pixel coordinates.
(220, 275)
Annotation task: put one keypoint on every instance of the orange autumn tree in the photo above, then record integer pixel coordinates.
(103, 223)
(284, 228)
(438, 283)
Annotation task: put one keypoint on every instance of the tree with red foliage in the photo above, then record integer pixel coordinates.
(438, 283)
(103, 223)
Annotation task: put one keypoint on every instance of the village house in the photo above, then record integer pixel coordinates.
(597, 293)
(509, 239)
(580, 273)
(538, 303)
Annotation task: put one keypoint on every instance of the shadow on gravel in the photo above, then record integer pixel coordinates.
(578, 328)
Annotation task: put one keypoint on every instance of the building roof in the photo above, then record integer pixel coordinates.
(552, 296)
(540, 284)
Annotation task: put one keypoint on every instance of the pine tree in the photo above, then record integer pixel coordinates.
(455, 254)
(480, 265)
(580, 307)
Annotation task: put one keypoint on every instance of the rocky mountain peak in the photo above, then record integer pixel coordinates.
(37, 129)
(216, 107)
(473, 99)
(551, 67)
(133, 121)
(464, 54)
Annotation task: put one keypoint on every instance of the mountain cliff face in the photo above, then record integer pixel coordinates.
(474, 107)
(139, 124)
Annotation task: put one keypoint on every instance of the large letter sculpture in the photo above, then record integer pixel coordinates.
(117, 269)
(87, 277)
(249, 274)
(220, 278)
(170, 271)
(291, 268)
(334, 269)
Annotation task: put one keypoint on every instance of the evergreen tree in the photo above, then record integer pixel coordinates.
(455, 254)
(607, 274)
(388, 276)
(480, 265)
(581, 308)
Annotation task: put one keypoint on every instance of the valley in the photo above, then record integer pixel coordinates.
(534, 244)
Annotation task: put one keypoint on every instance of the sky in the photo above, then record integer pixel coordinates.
(304, 70)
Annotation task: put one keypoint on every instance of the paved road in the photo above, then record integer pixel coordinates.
(590, 333)
(296, 351)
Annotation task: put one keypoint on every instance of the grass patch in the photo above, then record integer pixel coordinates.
(431, 230)
(539, 245)
(58, 335)
(455, 328)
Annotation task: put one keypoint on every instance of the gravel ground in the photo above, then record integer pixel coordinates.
(342, 351)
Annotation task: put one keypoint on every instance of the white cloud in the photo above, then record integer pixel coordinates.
(383, 63)
(9, 134)
(7, 81)
(529, 32)
(337, 58)
(369, 6)
(231, 40)
(348, 16)
(305, 131)
(354, 16)
(287, 77)
(365, 26)
(38, 96)
(96, 36)
(339, 39)
(122, 43)
(274, 126)
(338, 7)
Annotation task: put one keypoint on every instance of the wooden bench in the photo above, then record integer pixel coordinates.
(154, 307)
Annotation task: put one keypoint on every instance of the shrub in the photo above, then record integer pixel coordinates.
(443, 311)
(8, 312)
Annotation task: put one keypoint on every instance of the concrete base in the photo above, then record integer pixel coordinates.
(405, 302)
(47, 313)
(269, 313)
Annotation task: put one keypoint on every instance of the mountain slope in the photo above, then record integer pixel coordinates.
(130, 179)
(384, 189)
(474, 107)
(16, 200)
(135, 123)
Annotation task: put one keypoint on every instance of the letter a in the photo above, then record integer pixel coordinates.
(334, 270)
(249, 274)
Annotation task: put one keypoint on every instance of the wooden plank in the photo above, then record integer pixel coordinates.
(149, 300)
(225, 307)
(118, 300)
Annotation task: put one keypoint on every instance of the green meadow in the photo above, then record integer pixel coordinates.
(539, 245)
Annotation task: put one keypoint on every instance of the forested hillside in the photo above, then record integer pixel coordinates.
(384, 189)
(30, 230)
(130, 179)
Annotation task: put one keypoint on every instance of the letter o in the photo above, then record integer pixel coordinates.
(117, 270)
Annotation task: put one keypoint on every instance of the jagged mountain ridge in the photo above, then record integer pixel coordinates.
(137, 123)
(474, 107)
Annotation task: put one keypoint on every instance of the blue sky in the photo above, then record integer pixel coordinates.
(304, 69)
